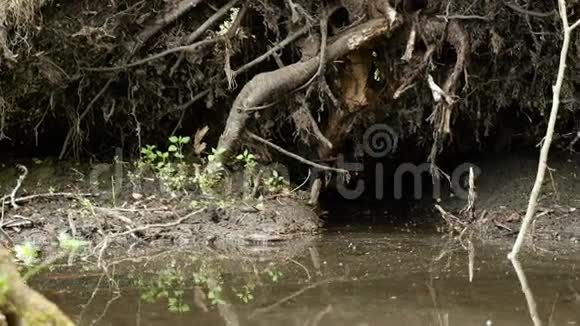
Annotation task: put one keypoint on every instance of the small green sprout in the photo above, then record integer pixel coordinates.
(176, 147)
(248, 158)
(276, 182)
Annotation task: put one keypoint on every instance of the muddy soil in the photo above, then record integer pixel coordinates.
(126, 222)
(503, 189)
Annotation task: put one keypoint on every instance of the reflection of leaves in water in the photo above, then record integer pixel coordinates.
(274, 274)
(208, 286)
(161, 288)
(246, 295)
(215, 295)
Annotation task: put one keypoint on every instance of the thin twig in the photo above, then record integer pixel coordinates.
(521, 10)
(82, 116)
(294, 156)
(180, 9)
(317, 132)
(49, 195)
(210, 21)
(183, 48)
(104, 244)
(18, 184)
(291, 38)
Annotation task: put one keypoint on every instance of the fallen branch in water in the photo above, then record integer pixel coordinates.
(543, 161)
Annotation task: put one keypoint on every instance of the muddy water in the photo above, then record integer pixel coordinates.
(347, 276)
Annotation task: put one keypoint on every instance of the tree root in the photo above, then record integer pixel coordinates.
(294, 156)
(280, 82)
(171, 16)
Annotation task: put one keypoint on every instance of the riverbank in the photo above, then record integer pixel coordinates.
(73, 199)
(503, 189)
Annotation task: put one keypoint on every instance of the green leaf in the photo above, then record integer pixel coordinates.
(178, 155)
(240, 157)
(172, 148)
(185, 140)
(173, 139)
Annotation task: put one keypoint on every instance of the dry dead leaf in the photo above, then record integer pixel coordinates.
(198, 144)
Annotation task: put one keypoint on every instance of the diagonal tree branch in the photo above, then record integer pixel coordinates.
(543, 161)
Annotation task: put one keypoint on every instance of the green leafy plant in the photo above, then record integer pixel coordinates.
(216, 155)
(160, 288)
(248, 159)
(172, 173)
(275, 182)
(176, 147)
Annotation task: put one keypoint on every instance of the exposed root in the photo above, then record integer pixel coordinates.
(3, 119)
(294, 156)
(76, 129)
(279, 82)
(184, 48)
(179, 9)
(291, 38)
(210, 21)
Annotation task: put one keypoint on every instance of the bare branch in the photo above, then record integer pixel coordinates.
(184, 48)
(180, 9)
(543, 161)
(294, 156)
(210, 21)
(291, 38)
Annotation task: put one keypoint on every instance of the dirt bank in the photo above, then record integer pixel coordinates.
(57, 198)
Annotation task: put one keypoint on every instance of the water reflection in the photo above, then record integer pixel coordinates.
(532, 307)
(344, 278)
